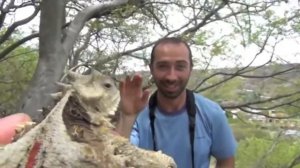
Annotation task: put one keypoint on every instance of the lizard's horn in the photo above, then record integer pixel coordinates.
(96, 73)
(73, 75)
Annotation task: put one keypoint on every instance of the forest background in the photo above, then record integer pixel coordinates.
(246, 54)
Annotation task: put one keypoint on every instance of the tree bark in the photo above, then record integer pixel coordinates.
(52, 60)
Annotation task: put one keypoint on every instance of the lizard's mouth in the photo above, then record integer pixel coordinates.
(77, 121)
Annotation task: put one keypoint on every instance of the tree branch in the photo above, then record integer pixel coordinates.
(295, 162)
(247, 104)
(78, 23)
(79, 50)
(205, 19)
(10, 29)
(239, 72)
(13, 46)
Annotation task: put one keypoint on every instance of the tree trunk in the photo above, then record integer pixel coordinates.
(52, 60)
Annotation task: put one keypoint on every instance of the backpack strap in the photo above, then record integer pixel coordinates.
(191, 109)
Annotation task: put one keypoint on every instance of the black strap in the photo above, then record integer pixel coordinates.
(191, 109)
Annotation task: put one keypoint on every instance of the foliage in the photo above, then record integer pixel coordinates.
(263, 148)
(15, 73)
(266, 153)
(225, 91)
(243, 131)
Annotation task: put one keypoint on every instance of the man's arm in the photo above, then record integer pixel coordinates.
(224, 144)
(133, 100)
(225, 163)
(124, 125)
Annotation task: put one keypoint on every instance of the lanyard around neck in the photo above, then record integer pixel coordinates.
(191, 109)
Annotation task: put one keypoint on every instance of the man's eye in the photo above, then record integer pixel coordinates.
(180, 67)
(162, 66)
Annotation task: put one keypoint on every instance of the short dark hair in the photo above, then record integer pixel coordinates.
(172, 40)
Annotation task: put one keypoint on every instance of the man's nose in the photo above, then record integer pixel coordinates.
(171, 74)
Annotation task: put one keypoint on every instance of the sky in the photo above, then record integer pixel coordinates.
(287, 50)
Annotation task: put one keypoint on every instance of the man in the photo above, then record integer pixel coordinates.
(169, 126)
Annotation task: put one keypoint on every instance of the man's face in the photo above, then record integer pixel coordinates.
(171, 69)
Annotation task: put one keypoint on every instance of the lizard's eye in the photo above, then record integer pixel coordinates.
(107, 85)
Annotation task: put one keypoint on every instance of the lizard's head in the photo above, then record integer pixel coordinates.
(96, 92)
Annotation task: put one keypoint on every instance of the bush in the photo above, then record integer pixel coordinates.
(263, 153)
(242, 131)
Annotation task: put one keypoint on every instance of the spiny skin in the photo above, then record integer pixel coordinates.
(76, 133)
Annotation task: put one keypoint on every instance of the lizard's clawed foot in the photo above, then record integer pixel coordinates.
(22, 129)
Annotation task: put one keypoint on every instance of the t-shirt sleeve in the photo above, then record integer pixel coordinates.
(134, 136)
(223, 141)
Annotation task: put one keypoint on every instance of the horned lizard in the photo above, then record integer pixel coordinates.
(77, 134)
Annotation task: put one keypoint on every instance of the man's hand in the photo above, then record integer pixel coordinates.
(9, 124)
(133, 100)
(133, 97)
